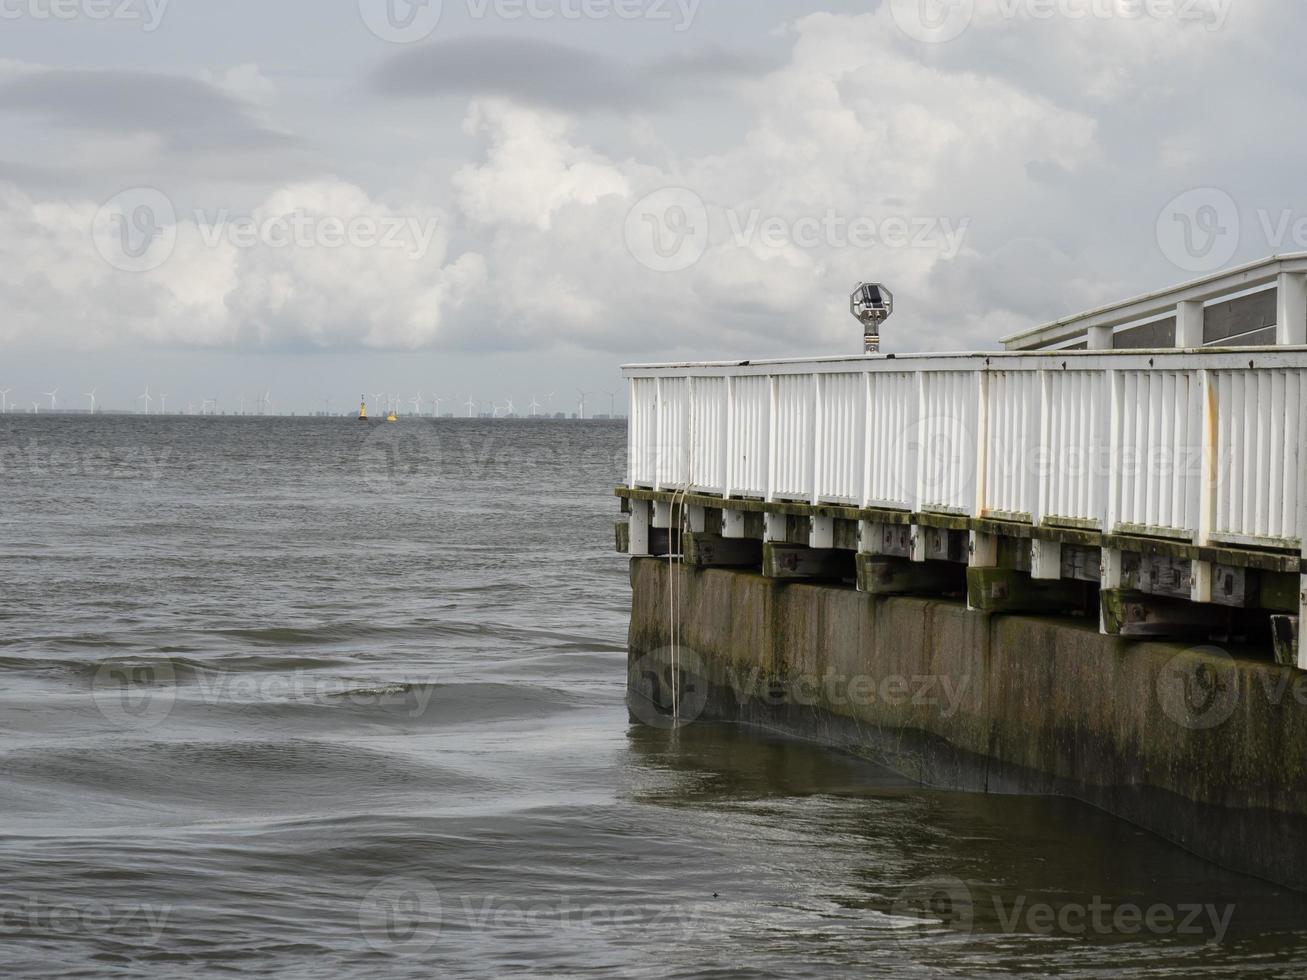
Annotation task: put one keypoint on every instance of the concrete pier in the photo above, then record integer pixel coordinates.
(1193, 743)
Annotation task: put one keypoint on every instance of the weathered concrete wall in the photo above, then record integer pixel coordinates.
(1197, 746)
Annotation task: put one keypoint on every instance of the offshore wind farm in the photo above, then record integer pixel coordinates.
(262, 404)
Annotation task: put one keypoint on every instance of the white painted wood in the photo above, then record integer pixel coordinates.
(1291, 309)
(1201, 578)
(696, 519)
(732, 524)
(641, 518)
(822, 534)
(1217, 286)
(662, 514)
(1198, 446)
(1189, 323)
(1045, 560)
(984, 550)
(774, 527)
(1100, 338)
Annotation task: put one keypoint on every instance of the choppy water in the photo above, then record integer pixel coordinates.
(304, 698)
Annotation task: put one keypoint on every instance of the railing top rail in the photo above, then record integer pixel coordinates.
(1213, 358)
(1219, 284)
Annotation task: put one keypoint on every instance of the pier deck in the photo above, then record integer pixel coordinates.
(1164, 488)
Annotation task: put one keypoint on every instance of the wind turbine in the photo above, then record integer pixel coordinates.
(163, 404)
(612, 404)
(146, 398)
(269, 406)
(549, 400)
(584, 396)
(242, 403)
(416, 402)
(471, 406)
(435, 412)
(535, 406)
(36, 408)
(51, 395)
(4, 401)
(91, 395)
(512, 409)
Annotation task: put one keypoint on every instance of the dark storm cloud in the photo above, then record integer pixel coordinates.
(186, 112)
(554, 75)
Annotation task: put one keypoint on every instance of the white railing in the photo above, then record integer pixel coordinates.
(1285, 274)
(1205, 447)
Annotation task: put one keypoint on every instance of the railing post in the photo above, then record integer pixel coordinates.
(1111, 567)
(1201, 576)
(1302, 531)
(1291, 309)
(984, 547)
(868, 451)
(1045, 556)
(815, 433)
(728, 437)
(1100, 338)
(658, 434)
(1189, 324)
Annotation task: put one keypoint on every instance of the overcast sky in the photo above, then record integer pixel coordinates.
(507, 198)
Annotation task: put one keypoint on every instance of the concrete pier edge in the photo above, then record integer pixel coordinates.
(1187, 741)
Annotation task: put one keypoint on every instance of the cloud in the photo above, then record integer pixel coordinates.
(184, 113)
(859, 123)
(555, 76)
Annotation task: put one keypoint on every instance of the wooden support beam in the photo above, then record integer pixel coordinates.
(623, 538)
(822, 533)
(1002, 590)
(1082, 564)
(1045, 560)
(941, 544)
(696, 519)
(875, 538)
(787, 561)
(882, 575)
(984, 550)
(664, 541)
(637, 541)
(1127, 613)
(715, 551)
(1284, 630)
(733, 524)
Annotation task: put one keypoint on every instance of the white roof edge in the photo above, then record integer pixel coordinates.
(1006, 355)
(1208, 287)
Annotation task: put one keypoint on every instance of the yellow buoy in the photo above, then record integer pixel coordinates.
(363, 410)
